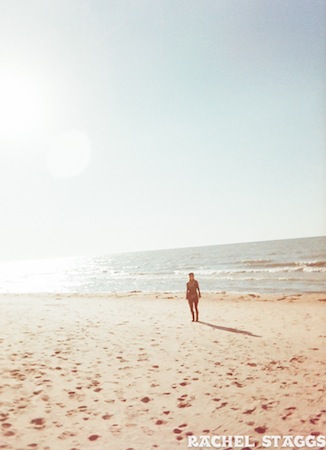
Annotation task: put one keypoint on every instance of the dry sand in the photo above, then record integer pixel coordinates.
(133, 372)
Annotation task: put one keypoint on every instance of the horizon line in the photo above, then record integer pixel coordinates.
(45, 258)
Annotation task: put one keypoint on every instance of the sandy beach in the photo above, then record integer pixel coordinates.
(132, 371)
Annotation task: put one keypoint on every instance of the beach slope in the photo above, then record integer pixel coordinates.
(132, 371)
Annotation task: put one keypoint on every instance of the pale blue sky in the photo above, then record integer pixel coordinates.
(205, 121)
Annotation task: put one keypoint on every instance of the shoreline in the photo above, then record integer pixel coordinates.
(96, 372)
(217, 296)
(178, 293)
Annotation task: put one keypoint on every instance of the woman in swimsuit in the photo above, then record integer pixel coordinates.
(193, 295)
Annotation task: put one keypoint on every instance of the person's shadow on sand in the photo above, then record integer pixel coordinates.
(231, 330)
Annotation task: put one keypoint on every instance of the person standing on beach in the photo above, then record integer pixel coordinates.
(193, 295)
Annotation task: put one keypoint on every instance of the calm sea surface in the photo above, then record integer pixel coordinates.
(290, 266)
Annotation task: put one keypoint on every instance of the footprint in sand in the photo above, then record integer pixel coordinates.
(289, 412)
(184, 404)
(93, 437)
(115, 429)
(66, 435)
(261, 430)
(269, 406)
(148, 431)
(315, 420)
(249, 411)
(221, 405)
(160, 422)
(9, 433)
(38, 423)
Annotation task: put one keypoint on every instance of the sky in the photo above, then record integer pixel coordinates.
(136, 125)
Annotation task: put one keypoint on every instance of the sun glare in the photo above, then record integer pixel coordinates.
(21, 108)
(69, 154)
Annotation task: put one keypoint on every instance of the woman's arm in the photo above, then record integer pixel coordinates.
(199, 294)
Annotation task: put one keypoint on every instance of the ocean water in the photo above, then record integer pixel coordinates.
(289, 266)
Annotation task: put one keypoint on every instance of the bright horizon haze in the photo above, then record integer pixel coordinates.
(139, 125)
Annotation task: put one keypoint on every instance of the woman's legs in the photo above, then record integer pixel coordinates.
(196, 309)
(191, 306)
